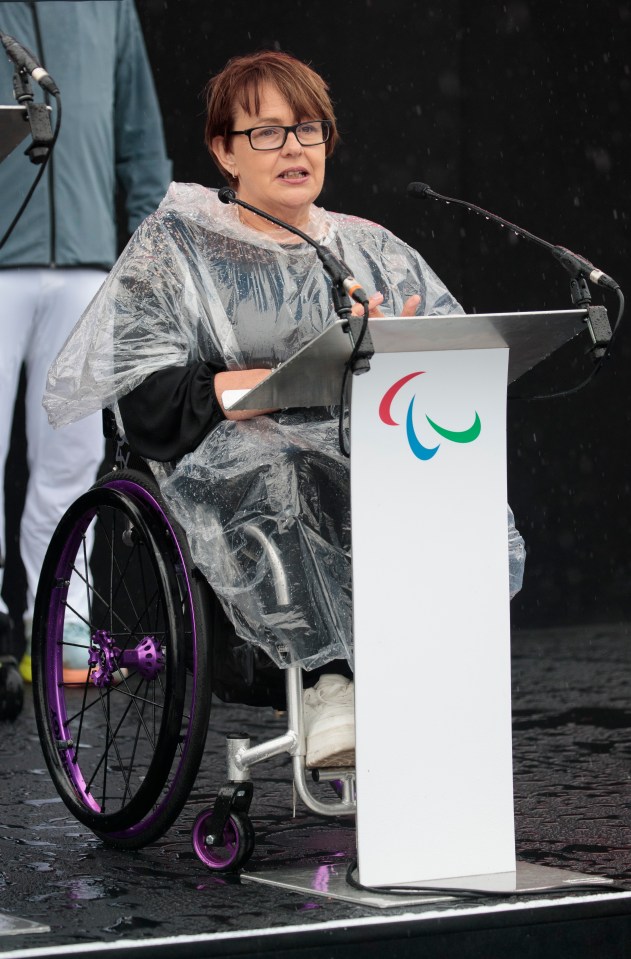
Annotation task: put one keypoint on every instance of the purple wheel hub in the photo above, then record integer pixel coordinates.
(147, 658)
(102, 658)
(217, 857)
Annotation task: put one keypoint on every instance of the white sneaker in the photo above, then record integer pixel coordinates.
(329, 710)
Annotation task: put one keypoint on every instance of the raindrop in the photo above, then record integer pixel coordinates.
(600, 158)
(32, 842)
(41, 802)
(127, 923)
(85, 887)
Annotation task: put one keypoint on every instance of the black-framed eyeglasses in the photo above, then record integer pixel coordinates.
(309, 133)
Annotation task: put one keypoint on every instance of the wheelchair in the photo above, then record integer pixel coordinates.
(124, 746)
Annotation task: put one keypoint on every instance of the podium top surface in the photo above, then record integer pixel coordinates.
(312, 377)
(14, 127)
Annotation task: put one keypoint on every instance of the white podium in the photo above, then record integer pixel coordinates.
(430, 582)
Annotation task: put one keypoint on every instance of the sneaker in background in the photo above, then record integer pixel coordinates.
(25, 667)
(75, 655)
(76, 651)
(329, 711)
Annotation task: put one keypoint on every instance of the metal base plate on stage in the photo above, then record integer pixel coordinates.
(330, 881)
(14, 926)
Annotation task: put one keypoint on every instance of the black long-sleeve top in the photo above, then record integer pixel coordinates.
(171, 411)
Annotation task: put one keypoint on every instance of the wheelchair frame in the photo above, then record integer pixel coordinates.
(148, 671)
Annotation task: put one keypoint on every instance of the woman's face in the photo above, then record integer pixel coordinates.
(283, 182)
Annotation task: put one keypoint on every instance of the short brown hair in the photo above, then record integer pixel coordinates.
(240, 82)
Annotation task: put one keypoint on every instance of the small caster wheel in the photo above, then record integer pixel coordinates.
(11, 688)
(238, 842)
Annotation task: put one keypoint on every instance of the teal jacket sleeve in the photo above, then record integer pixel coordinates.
(143, 169)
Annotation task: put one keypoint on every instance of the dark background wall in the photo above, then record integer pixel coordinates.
(522, 107)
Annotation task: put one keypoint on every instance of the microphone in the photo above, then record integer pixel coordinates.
(24, 60)
(337, 269)
(574, 263)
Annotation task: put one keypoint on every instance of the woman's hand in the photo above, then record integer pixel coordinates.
(374, 302)
(239, 380)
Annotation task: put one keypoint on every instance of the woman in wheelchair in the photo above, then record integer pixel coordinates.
(209, 297)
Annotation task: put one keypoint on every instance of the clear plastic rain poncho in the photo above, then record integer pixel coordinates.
(196, 284)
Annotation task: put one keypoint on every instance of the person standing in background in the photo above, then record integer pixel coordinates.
(62, 247)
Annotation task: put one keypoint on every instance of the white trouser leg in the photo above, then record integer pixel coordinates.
(62, 463)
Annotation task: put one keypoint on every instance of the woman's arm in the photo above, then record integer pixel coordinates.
(239, 380)
(171, 411)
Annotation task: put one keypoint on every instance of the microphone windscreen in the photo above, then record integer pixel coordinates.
(419, 189)
(226, 195)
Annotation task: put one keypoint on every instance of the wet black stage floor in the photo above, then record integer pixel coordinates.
(572, 758)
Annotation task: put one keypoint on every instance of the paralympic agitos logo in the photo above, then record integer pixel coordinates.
(420, 451)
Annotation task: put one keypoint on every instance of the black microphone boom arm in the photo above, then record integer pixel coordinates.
(344, 285)
(572, 262)
(579, 268)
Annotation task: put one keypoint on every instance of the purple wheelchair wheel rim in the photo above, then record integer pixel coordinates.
(66, 706)
(139, 492)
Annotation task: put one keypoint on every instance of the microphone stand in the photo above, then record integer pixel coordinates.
(355, 326)
(41, 149)
(38, 116)
(342, 284)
